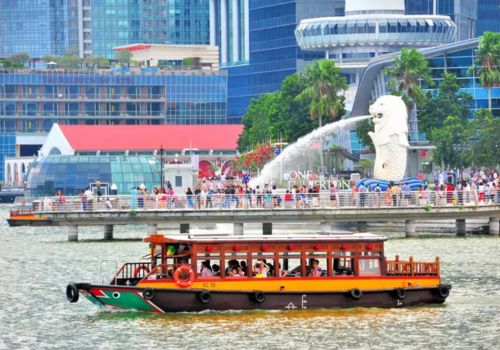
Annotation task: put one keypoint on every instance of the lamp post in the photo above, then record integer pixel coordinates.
(161, 167)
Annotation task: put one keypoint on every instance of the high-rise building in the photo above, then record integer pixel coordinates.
(463, 12)
(94, 27)
(258, 46)
(488, 16)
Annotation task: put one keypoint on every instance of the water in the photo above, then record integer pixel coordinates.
(298, 155)
(37, 263)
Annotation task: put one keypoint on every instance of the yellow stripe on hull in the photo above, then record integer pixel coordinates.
(301, 285)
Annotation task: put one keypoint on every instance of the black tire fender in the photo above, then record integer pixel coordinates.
(148, 294)
(72, 293)
(258, 297)
(443, 291)
(400, 293)
(356, 293)
(204, 296)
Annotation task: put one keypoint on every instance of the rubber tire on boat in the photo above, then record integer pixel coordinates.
(401, 293)
(356, 293)
(258, 297)
(148, 294)
(443, 291)
(72, 293)
(204, 297)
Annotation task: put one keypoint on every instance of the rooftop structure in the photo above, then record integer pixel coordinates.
(154, 55)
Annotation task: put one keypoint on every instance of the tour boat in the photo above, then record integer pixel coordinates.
(24, 216)
(327, 270)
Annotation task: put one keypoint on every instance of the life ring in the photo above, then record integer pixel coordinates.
(139, 269)
(258, 297)
(72, 293)
(184, 282)
(204, 296)
(148, 294)
(400, 293)
(443, 291)
(356, 293)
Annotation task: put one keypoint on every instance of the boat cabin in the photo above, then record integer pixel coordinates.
(245, 257)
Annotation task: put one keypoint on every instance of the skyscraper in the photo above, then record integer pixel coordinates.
(462, 12)
(258, 46)
(488, 16)
(94, 27)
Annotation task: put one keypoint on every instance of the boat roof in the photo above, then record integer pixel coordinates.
(220, 238)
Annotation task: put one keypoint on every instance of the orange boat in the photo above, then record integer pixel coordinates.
(272, 273)
(24, 217)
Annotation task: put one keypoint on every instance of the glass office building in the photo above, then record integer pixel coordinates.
(488, 16)
(273, 53)
(37, 27)
(7, 149)
(71, 174)
(463, 12)
(122, 22)
(31, 101)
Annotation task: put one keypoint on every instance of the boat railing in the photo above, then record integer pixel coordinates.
(132, 272)
(163, 271)
(21, 212)
(412, 268)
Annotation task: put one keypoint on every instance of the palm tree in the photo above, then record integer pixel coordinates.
(325, 89)
(408, 70)
(488, 61)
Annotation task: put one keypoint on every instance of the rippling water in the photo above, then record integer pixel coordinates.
(37, 263)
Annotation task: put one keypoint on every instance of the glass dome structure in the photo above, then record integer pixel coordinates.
(70, 174)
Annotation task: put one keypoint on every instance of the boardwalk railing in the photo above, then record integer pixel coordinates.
(324, 199)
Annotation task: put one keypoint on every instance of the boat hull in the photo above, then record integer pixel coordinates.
(29, 221)
(194, 300)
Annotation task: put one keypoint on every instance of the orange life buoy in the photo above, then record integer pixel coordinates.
(184, 270)
(139, 268)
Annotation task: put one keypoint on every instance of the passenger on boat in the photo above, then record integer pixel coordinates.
(315, 269)
(206, 270)
(216, 270)
(261, 269)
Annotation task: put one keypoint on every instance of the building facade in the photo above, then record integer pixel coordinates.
(488, 16)
(258, 46)
(94, 27)
(463, 12)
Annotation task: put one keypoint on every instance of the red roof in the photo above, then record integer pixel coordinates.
(150, 137)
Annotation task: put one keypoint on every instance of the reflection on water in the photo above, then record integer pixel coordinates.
(37, 263)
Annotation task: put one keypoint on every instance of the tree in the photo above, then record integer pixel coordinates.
(123, 57)
(17, 60)
(325, 90)
(452, 143)
(446, 101)
(485, 145)
(488, 62)
(96, 61)
(405, 74)
(362, 129)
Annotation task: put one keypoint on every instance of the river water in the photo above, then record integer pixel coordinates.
(37, 263)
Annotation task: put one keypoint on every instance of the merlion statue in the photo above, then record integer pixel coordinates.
(390, 138)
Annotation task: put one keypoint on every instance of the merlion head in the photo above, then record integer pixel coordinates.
(389, 112)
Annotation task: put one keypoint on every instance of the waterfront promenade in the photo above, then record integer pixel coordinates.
(324, 208)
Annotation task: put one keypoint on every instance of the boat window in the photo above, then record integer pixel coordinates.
(236, 264)
(316, 264)
(263, 264)
(343, 263)
(369, 267)
(289, 264)
(213, 262)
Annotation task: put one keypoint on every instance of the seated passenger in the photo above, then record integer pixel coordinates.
(260, 269)
(215, 270)
(315, 269)
(206, 270)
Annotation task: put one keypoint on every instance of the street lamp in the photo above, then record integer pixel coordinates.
(161, 167)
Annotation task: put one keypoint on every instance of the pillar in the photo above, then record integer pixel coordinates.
(213, 21)
(223, 32)
(325, 226)
(362, 226)
(461, 228)
(152, 229)
(108, 232)
(410, 228)
(184, 228)
(238, 228)
(267, 228)
(235, 19)
(246, 30)
(494, 226)
(73, 233)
